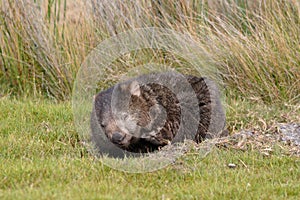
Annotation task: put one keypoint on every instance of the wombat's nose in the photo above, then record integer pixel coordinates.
(117, 137)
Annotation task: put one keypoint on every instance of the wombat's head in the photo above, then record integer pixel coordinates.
(126, 116)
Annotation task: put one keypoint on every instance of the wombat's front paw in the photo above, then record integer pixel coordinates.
(153, 139)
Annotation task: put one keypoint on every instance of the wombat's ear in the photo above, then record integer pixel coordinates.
(135, 88)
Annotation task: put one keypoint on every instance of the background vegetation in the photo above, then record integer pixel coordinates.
(255, 44)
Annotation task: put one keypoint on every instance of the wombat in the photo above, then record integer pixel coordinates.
(145, 113)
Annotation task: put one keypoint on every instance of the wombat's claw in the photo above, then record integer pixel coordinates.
(166, 142)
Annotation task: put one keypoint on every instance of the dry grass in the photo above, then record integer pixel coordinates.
(254, 44)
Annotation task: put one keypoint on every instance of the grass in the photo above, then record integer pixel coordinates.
(42, 157)
(254, 44)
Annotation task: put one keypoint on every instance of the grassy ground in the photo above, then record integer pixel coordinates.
(254, 44)
(41, 157)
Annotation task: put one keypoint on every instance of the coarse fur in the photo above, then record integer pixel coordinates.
(142, 117)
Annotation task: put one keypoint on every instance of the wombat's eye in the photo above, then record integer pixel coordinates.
(102, 125)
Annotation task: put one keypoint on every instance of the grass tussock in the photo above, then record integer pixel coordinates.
(254, 44)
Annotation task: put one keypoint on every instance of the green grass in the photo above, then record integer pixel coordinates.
(41, 157)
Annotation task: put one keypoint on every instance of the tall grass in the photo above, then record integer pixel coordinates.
(255, 44)
(39, 50)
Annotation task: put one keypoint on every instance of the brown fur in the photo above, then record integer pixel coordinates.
(153, 117)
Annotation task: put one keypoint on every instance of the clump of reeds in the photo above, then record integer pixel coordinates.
(254, 44)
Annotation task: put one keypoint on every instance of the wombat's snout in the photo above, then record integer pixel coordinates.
(117, 137)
